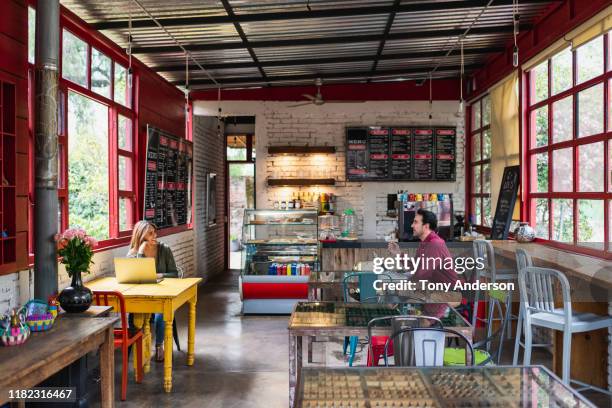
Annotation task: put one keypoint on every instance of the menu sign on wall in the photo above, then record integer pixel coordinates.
(400, 153)
(167, 190)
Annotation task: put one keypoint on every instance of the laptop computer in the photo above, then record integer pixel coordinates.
(136, 270)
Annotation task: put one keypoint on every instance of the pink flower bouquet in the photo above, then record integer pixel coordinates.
(75, 249)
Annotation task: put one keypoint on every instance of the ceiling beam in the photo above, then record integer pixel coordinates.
(333, 75)
(330, 60)
(169, 49)
(381, 45)
(303, 14)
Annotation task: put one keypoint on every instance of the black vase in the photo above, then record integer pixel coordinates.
(76, 298)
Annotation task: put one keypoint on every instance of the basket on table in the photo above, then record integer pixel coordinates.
(39, 316)
(13, 330)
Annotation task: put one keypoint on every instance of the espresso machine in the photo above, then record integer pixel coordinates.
(440, 204)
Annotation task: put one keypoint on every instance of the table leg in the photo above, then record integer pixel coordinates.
(295, 366)
(191, 333)
(141, 321)
(168, 353)
(107, 371)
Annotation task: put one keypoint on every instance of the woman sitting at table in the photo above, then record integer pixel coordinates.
(144, 244)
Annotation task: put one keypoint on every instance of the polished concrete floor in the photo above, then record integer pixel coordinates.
(241, 361)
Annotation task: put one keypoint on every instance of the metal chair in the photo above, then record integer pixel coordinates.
(523, 260)
(365, 284)
(484, 249)
(124, 338)
(538, 300)
(428, 340)
(376, 343)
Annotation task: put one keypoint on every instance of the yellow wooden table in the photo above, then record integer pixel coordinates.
(164, 297)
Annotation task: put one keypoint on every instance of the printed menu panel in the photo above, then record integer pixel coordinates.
(378, 146)
(167, 190)
(423, 149)
(356, 153)
(401, 153)
(445, 154)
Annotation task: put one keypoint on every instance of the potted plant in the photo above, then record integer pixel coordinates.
(234, 243)
(75, 249)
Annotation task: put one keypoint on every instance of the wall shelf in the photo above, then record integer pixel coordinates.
(301, 149)
(302, 182)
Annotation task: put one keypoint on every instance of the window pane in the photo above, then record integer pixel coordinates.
(539, 179)
(486, 212)
(486, 145)
(100, 73)
(539, 76)
(590, 59)
(236, 148)
(125, 173)
(74, 59)
(476, 116)
(88, 165)
(60, 205)
(562, 120)
(541, 222)
(253, 146)
(476, 186)
(121, 92)
(562, 71)
(563, 165)
(31, 35)
(476, 217)
(590, 167)
(125, 214)
(591, 223)
(486, 111)
(591, 111)
(60, 164)
(124, 132)
(563, 220)
(486, 178)
(539, 127)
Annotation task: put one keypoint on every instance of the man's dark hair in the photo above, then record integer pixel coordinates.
(428, 218)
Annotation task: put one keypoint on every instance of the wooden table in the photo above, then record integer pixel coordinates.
(165, 298)
(46, 353)
(338, 319)
(399, 387)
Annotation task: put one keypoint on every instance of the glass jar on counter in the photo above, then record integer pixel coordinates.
(329, 227)
(349, 227)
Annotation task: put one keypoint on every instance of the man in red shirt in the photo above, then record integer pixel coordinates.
(432, 249)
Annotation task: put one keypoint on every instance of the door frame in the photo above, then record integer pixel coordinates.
(249, 160)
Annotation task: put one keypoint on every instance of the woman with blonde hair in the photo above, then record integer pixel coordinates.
(144, 244)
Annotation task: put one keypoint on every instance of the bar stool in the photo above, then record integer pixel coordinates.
(484, 249)
(538, 300)
(523, 260)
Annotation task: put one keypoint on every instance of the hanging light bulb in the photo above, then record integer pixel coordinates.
(430, 99)
(461, 102)
(219, 111)
(129, 49)
(516, 19)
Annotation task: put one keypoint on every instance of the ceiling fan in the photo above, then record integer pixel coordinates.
(317, 98)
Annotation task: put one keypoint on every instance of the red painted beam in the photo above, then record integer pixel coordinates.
(555, 22)
(443, 89)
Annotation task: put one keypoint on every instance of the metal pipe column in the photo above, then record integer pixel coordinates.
(46, 105)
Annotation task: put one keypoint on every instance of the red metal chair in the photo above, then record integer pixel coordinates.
(124, 338)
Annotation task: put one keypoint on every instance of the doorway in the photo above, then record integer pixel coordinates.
(240, 153)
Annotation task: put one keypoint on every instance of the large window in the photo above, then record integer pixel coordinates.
(569, 147)
(480, 163)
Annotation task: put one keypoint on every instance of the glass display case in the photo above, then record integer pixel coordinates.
(281, 249)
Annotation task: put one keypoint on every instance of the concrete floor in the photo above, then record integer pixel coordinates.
(241, 362)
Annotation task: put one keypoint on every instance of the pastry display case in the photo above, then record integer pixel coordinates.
(281, 250)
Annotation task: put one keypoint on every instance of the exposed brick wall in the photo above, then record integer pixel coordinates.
(209, 157)
(276, 123)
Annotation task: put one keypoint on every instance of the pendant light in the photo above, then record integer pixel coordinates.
(219, 111)
(430, 99)
(129, 48)
(461, 101)
(515, 19)
(186, 86)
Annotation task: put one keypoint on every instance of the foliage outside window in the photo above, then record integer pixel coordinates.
(480, 163)
(569, 196)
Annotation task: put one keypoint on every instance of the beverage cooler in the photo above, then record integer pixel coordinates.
(440, 204)
(280, 251)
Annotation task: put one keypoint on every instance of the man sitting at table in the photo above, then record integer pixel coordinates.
(432, 249)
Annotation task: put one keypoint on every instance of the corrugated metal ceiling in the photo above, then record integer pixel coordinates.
(340, 41)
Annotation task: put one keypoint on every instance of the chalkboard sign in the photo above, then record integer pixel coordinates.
(505, 203)
(400, 153)
(168, 179)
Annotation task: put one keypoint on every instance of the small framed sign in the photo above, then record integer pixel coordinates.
(211, 199)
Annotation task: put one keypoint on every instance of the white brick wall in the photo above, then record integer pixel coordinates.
(278, 124)
(18, 288)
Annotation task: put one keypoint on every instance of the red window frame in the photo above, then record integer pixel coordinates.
(574, 143)
(477, 192)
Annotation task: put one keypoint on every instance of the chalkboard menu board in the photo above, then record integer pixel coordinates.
(168, 179)
(380, 153)
(505, 203)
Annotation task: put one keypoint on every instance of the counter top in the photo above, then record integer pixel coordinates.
(379, 243)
